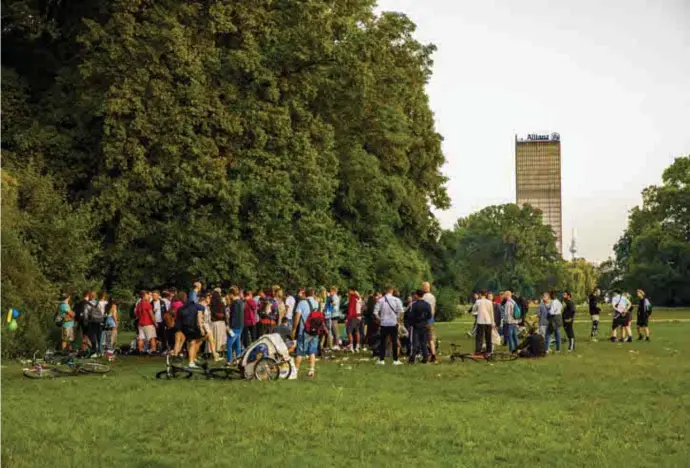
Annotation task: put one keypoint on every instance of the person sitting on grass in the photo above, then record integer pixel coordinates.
(533, 346)
(285, 333)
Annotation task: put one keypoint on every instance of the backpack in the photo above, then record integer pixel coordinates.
(169, 318)
(316, 321)
(59, 319)
(517, 312)
(96, 314)
(189, 316)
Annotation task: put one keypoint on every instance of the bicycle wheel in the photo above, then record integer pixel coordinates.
(174, 374)
(502, 357)
(266, 369)
(220, 373)
(35, 373)
(285, 369)
(94, 368)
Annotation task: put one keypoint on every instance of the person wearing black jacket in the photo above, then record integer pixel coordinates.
(417, 318)
(569, 319)
(594, 311)
(533, 346)
(524, 307)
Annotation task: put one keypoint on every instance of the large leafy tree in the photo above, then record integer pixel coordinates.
(654, 252)
(499, 247)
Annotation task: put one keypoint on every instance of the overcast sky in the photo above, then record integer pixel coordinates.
(612, 77)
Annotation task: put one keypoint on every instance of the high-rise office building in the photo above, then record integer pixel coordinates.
(538, 178)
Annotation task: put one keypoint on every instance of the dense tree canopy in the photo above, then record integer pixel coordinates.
(654, 252)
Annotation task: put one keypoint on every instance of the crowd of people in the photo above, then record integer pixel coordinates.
(176, 322)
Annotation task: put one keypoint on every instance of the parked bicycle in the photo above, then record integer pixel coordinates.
(479, 357)
(173, 371)
(52, 366)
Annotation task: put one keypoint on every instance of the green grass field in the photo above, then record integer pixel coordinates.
(605, 405)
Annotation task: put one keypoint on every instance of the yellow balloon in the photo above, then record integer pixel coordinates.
(13, 325)
(9, 315)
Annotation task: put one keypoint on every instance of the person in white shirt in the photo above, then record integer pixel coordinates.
(290, 304)
(431, 328)
(555, 322)
(621, 311)
(484, 310)
(388, 311)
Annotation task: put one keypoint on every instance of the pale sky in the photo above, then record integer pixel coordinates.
(612, 77)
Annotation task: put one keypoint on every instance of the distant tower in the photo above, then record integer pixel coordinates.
(573, 245)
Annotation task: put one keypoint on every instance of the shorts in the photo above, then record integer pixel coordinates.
(595, 317)
(147, 332)
(191, 333)
(353, 325)
(643, 321)
(307, 345)
(68, 334)
(618, 322)
(430, 332)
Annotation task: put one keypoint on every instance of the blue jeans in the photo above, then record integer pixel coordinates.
(234, 344)
(557, 336)
(512, 337)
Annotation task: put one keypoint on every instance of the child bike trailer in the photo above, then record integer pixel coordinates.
(267, 359)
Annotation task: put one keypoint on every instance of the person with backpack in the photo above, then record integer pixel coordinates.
(644, 310)
(555, 322)
(65, 320)
(569, 320)
(417, 318)
(388, 311)
(511, 316)
(146, 321)
(192, 315)
(235, 324)
(308, 325)
(94, 316)
(594, 312)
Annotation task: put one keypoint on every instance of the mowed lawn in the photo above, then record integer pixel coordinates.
(604, 405)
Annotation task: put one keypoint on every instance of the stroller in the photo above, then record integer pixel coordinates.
(267, 359)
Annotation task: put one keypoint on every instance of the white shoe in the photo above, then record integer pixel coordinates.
(397, 363)
(192, 365)
(380, 363)
(593, 340)
(336, 348)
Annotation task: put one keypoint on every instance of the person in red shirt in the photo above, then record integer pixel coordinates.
(354, 318)
(146, 322)
(250, 318)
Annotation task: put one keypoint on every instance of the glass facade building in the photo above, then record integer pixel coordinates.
(538, 178)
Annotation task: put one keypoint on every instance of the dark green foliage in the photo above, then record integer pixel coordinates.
(257, 142)
(500, 247)
(654, 252)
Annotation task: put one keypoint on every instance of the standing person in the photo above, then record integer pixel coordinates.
(177, 305)
(370, 319)
(103, 302)
(331, 313)
(303, 330)
(170, 323)
(431, 326)
(95, 316)
(418, 320)
(484, 310)
(159, 309)
(268, 313)
(218, 322)
(555, 322)
(510, 328)
(279, 296)
(146, 322)
(628, 320)
(644, 310)
(543, 312)
(594, 312)
(621, 306)
(81, 310)
(112, 322)
(290, 304)
(523, 303)
(569, 320)
(388, 310)
(498, 312)
(353, 319)
(67, 323)
(194, 293)
(249, 332)
(207, 335)
(235, 324)
(192, 315)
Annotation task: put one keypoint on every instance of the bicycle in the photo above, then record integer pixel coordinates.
(75, 365)
(40, 369)
(173, 372)
(478, 357)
